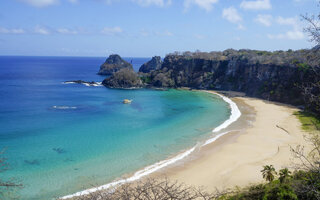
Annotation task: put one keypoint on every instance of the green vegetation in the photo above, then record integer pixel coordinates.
(146, 79)
(268, 173)
(285, 187)
(309, 121)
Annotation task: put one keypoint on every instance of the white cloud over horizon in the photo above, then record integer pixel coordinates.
(159, 3)
(66, 31)
(42, 30)
(40, 3)
(111, 31)
(12, 31)
(146, 33)
(203, 4)
(256, 5)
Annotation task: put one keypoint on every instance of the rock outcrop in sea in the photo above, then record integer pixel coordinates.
(113, 64)
(154, 64)
(125, 79)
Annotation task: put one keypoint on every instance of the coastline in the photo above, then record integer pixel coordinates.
(234, 116)
(235, 159)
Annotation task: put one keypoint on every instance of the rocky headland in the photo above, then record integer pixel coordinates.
(284, 76)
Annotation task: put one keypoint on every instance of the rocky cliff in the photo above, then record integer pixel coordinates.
(285, 76)
(154, 64)
(113, 64)
(277, 76)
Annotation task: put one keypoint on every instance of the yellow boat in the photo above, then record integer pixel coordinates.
(127, 101)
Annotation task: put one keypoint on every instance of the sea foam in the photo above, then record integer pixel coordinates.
(235, 114)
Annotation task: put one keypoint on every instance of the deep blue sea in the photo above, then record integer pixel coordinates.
(63, 138)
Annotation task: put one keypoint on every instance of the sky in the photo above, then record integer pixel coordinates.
(144, 28)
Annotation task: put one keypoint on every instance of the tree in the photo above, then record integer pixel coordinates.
(153, 189)
(311, 90)
(313, 28)
(284, 174)
(268, 173)
(309, 169)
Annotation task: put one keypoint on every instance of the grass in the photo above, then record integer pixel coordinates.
(309, 121)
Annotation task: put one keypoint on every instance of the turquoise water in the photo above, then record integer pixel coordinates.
(90, 138)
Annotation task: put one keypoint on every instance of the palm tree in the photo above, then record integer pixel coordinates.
(284, 174)
(268, 173)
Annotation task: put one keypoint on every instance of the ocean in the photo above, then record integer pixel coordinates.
(63, 138)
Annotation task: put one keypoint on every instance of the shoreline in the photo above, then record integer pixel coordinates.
(234, 116)
(235, 159)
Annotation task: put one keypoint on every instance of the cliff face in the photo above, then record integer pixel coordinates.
(154, 64)
(113, 64)
(285, 76)
(266, 75)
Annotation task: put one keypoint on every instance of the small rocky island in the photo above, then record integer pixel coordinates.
(113, 64)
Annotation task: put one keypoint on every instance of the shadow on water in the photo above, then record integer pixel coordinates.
(32, 162)
(59, 150)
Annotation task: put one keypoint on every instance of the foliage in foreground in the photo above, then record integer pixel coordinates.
(152, 189)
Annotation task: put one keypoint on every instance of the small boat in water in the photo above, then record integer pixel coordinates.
(127, 101)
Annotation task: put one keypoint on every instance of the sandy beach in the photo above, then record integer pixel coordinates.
(236, 158)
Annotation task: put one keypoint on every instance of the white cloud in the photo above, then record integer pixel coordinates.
(231, 14)
(41, 3)
(237, 38)
(204, 4)
(241, 27)
(66, 31)
(256, 5)
(165, 33)
(112, 30)
(295, 34)
(159, 3)
(291, 35)
(146, 33)
(264, 20)
(199, 36)
(12, 31)
(41, 30)
(293, 21)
